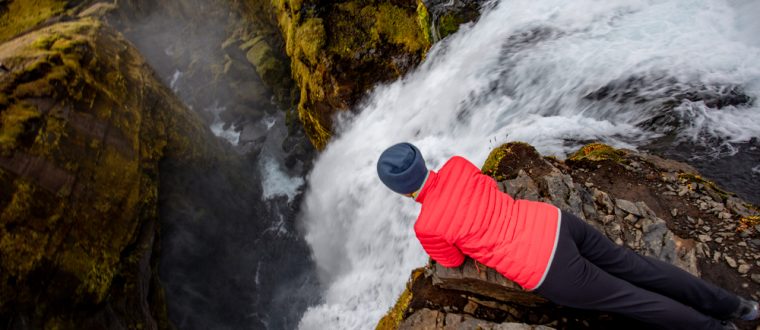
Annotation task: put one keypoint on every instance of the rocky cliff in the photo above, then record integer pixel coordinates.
(85, 122)
(657, 207)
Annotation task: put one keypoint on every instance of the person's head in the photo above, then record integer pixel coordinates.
(402, 168)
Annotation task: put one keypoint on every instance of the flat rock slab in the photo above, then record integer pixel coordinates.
(483, 281)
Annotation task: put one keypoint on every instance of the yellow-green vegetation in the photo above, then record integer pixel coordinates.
(448, 24)
(22, 15)
(693, 179)
(311, 36)
(400, 27)
(597, 152)
(423, 19)
(395, 315)
(748, 222)
(344, 48)
(15, 120)
(491, 165)
(83, 126)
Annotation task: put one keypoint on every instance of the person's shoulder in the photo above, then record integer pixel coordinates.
(459, 161)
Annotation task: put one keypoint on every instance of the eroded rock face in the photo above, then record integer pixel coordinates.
(339, 50)
(84, 125)
(637, 200)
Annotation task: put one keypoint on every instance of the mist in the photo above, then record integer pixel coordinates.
(231, 255)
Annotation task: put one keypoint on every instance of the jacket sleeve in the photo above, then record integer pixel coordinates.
(441, 251)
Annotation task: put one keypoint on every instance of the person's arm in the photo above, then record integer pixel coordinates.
(441, 251)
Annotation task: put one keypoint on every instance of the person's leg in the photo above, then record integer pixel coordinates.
(574, 281)
(649, 273)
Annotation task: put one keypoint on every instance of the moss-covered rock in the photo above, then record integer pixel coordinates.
(399, 311)
(505, 161)
(340, 50)
(84, 123)
(597, 152)
(447, 16)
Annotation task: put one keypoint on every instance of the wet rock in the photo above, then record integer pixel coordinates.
(339, 50)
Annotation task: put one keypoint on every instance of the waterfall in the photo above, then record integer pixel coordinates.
(553, 73)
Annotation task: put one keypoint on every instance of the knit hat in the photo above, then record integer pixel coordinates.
(402, 168)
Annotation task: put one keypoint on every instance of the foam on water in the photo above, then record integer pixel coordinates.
(217, 127)
(275, 182)
(520, 73)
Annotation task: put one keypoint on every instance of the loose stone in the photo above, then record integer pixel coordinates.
(730, 261)
(674, 212)
(704, 238)
(628, 206)
(744, 268)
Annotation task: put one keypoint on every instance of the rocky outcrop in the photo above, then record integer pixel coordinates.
(340, 50)
(85, 123)
(657, 207)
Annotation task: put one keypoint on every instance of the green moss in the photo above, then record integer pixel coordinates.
(597, 152)
(423, 19)
(692, 179)
(20, 248)
(311, 39)
(45, 42)
(491, 165)
(395, 315)
(14, 122)
(336, 50)
(26, 14)
(448, 24)
(401, 27)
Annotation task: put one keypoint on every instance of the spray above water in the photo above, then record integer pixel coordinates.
(552, 73)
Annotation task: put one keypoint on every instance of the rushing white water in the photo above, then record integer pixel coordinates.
(217, 127)
(482, 87)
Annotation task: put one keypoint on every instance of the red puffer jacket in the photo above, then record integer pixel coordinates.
(463, 212)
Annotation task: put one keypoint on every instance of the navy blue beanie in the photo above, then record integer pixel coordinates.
(402, 168)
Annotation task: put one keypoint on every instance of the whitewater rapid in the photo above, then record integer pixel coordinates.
(520, 73)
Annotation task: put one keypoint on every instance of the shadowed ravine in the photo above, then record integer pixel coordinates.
(231, 257)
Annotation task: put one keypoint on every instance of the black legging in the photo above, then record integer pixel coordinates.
(591, 272)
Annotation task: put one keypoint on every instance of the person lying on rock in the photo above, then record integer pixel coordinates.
(549, 251)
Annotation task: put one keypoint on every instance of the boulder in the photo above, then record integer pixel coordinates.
(84, 124)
